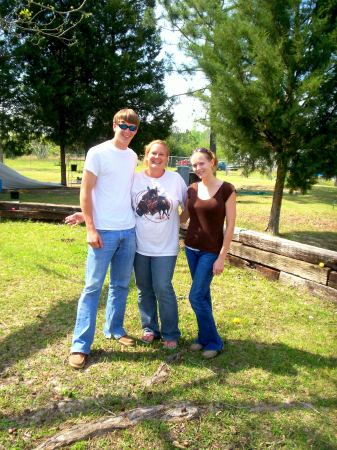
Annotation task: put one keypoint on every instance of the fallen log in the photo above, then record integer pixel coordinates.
(168, 413)
(175, 413)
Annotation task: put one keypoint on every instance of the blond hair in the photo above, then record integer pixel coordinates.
(148, 147)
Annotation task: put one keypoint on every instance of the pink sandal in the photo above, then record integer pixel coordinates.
(148, 337)
(170, 344)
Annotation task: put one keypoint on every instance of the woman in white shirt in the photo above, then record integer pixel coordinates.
(156, 197)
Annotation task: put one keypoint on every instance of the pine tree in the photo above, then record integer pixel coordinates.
(72, 91)
(272, 65)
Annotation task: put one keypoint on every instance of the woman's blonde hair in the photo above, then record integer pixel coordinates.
(148, 147)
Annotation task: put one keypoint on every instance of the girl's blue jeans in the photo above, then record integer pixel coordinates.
(201, 268)
(118, 251)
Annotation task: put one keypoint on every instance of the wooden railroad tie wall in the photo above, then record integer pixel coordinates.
(288, 261)
(280, 259)
(47, 212)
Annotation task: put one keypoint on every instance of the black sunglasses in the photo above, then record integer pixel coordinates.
(124, 126)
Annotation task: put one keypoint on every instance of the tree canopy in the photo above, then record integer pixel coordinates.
(73, 91)
(272, 70)
(40, 19)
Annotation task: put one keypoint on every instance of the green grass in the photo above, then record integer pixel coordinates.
(47, 170)
(281, 349)
(310, 218)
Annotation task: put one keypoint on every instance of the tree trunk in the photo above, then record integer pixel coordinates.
(1, 153)
(274, 218)
(63, 165)
(212, 135)
(212, 141)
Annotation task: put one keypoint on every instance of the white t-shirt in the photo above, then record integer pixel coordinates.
(155, 202)
(111, 195)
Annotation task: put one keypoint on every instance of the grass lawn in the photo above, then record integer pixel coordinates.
(274, 386)
(310, 218)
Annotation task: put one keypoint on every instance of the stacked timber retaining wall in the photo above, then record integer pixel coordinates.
(312, 268)
(47, 212)
(290, 262)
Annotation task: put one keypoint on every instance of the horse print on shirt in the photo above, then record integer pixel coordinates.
(153, 206)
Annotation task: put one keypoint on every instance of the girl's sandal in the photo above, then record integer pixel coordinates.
(148, 337)
(172, 345)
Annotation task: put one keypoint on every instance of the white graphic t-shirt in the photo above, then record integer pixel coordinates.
(155, 202)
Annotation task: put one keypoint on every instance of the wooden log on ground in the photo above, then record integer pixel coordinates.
(171, 413)
(285, 247)
(325, 292)
(267, 272)
(46, 212)
(238, 262)
(34, 215)
(332, 280)
(282, 263)
(175, 413)
(7, 205)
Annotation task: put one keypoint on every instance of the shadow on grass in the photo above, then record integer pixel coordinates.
(57, 323)
(239, 356)
(248, 434)
(319, 194)
(323, 239)
(46, 329)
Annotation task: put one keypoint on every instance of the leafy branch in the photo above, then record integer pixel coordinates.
(44, 20)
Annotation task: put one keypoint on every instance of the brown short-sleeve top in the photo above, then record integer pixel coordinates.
(205, 230)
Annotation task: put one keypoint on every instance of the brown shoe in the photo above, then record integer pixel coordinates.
(195, 347)
(208, 354)
(77, 360)
(126, 340)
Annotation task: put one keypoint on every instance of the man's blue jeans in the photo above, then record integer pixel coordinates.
(154, 281)
(201, 268)
(118, 250)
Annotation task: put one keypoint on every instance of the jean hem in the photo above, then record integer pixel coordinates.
(79, 350)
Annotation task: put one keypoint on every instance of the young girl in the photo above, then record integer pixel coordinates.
(209, 203)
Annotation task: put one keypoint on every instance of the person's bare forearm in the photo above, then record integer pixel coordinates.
(184, 215)
(88, 184)
(87, 209)
(230, 224)
(218, 266)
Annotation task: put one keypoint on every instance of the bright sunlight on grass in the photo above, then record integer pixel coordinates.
(272, 387)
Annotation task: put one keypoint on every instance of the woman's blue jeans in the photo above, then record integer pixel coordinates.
(154, 281)
(118, 250)
(201, 268)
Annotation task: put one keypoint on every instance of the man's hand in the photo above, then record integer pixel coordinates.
(94, 239)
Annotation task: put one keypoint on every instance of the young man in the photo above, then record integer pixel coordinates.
(106, 205)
